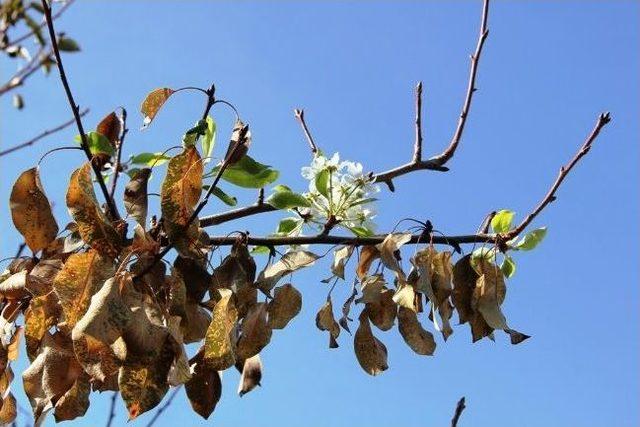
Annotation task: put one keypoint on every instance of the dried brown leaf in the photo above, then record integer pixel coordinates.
(110, 127)
(417, 338)
(326, 322)
(370, 351)
(135, 196)
(153, 103)
(368, 254)
(251, 370)
(204, 388)
(290, 262)
(219, 352)
(383, 313)
(255, 332)
(285, 305)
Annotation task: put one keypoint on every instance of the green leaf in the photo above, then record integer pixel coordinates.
(98, 143)
(322, 182)
(66, 44)
(361, 231)
(287, 225)
(508, 267)
(531, 239)
(133, 172)
(363, 201)
(192, 135)
(150, 159)
(226, 199)
(488, 254)
(248, 173)
(501, 222)
(209, 140)
(287, 200)
(280, 188)
(260, 250)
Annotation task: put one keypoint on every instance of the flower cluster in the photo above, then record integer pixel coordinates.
(339, 194)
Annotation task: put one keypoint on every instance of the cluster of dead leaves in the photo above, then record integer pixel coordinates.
(476, 290)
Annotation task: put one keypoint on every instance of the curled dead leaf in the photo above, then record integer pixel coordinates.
(370, 351)
(326, 322)
(251, 370)
(417, 338)
(285, 305)
(135, 196)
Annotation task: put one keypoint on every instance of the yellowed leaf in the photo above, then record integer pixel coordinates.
(93, 225)
(75, 402)
(31, 212)
(219, 351)
(153, 103)
(42, 314)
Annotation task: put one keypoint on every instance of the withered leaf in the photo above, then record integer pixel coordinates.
(42, 314)
(95, 333)
(9, 410)
(420, 340)
(31, 212)
(204, 388)
(219, 352)
(383, 313)
(370, 351)
(237, 270)
(75, 402)
(180, 193)
(80, 278)
(40, 279)
(93, 225)
(110, 128)
(464, 282)
(326, 322)
(135, 196)
(405, 296)
(489, 294)
(195, 325)
(255, 332)
(241, 136)
(371, 287)
(290, 262)
(285, 305)
(251, 370)
(368, 254)
(392, 243)
(195, 274)
(14, 286)
(153, 103)
(180, 372)
(340, 257)
(346, 308)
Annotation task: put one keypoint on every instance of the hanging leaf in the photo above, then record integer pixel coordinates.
(290, 262)
(40, 279)
(383, 312)
(209, 139)
(66, 44)
(226, 199)
(508, 267)
(251, 376)
(340, 257)
(464, 281)
(255, 332)
(371, 288)
(248, 173)
(240, 138)
(43, 312)
(501, 221)
(219, 352)
(98, 143)
(192, 136)
(370, 351)
(326, 322)
(75, 402)
(181, 191)
(417, 338)
(204, 388)
(285, 305)
(405, 296)
(288, 225)
(322, 182)
(110, 127)
(346, 308)
(81, 277)
(392, 243)
(153, 103)
(94, 227)
(8, 409)
(135, 196)
(368, 254)
(31, 212)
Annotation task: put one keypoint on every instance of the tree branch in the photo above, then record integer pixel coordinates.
(300, 116)
(112, 409)
(448, 153)
(113, 210)
(417, 148)
(42, 135)
(603, 119)
(24, 73)
(459, 408)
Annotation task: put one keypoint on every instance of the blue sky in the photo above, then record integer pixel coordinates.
(548, 70)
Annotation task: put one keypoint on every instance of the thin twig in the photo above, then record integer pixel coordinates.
(163, 407)
(603, 119)
(417, 148)
(24, 73)
(42, 135)
(448, 153)
(300, 116)
(117, 165)
(459, 408)
(112, 410)
(113, 210)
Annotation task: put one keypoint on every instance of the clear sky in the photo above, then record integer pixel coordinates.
(548, 70)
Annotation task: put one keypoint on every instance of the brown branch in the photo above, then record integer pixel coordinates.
(117, 165)
(300, 116)
(163, 407)
(417, 148)
(24, 73)
(113, 210)
(321, 239)
(603, 119)
(459, 408)
(112, 410)
(448, 153)
(42, 135)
